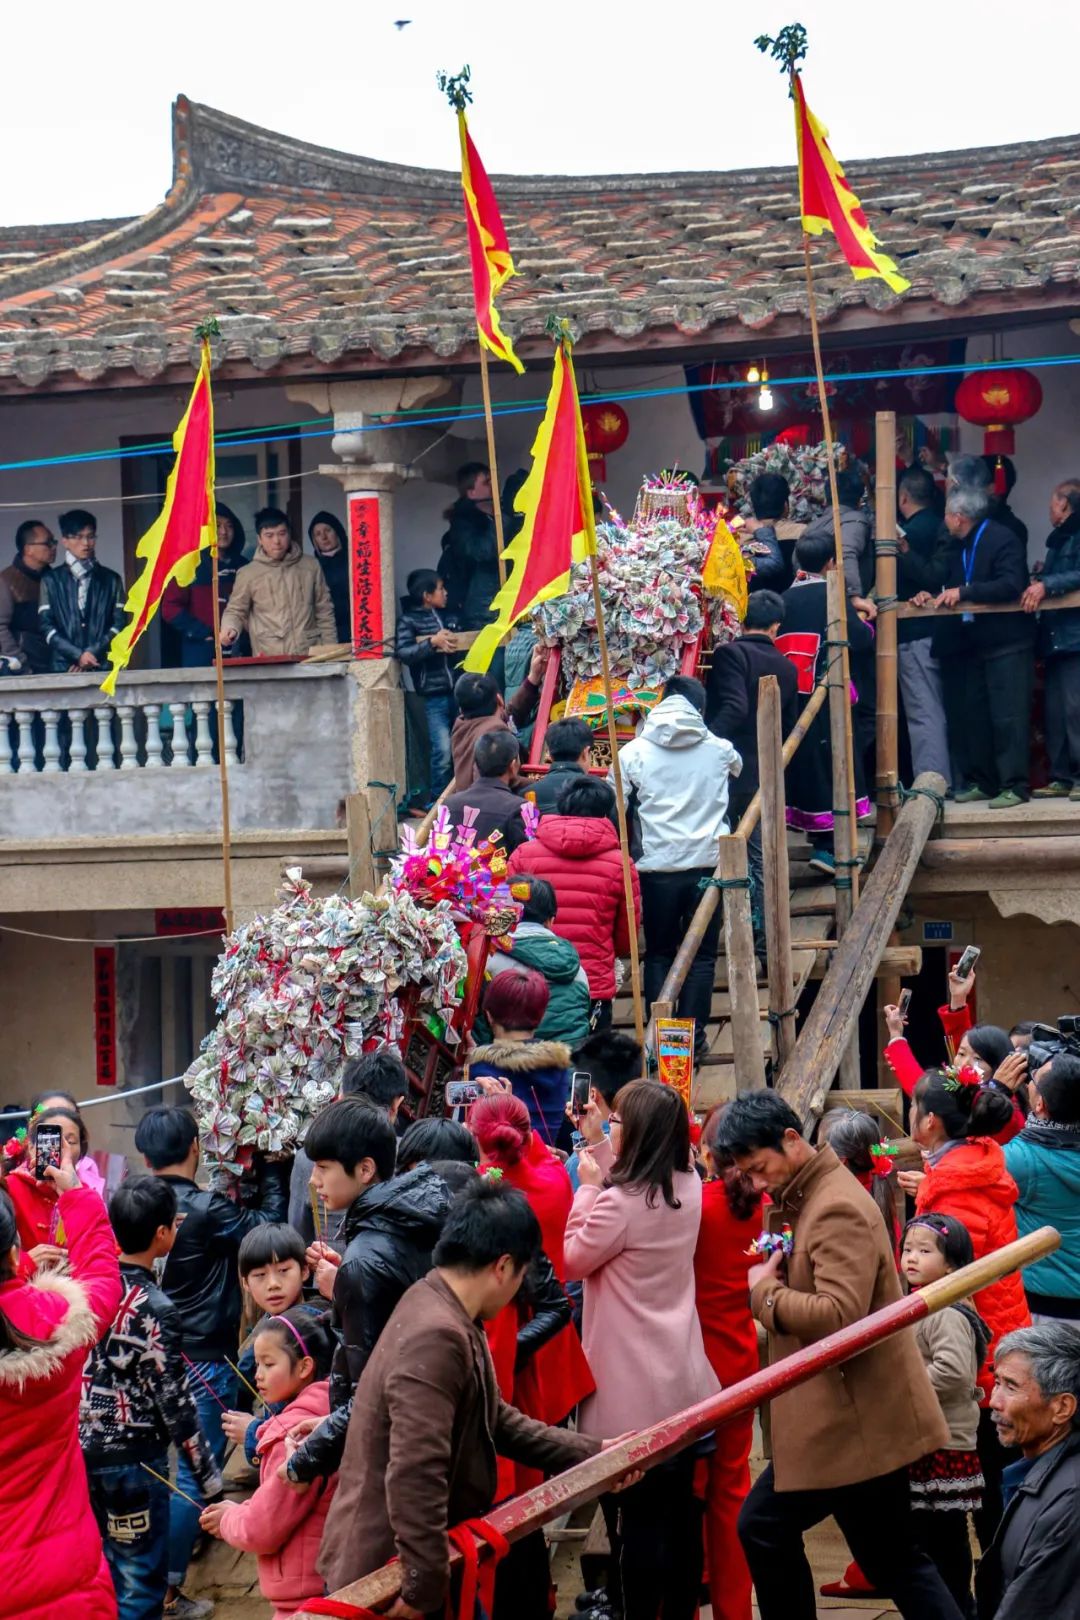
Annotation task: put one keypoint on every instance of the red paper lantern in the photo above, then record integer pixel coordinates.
(607, 428)
(996, 401)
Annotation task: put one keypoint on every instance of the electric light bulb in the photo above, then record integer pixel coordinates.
(753, 375)
(765, 400)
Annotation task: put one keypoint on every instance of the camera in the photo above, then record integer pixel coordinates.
(1047, 1041)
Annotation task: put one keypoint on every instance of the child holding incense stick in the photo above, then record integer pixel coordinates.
(136, 1401)
(282, 1526)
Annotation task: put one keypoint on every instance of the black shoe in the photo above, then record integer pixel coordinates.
(593, 1602)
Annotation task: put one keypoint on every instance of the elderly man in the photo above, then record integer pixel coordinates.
(1032, 1567)
(987, 659)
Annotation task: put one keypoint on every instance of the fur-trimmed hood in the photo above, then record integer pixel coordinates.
(53, 1309)
(522, 1057)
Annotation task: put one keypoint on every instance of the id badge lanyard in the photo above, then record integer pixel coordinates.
(969, 566)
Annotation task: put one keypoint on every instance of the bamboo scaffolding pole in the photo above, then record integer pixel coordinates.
(620, 804)
(709, 901)
(223, 769)
(524, 1514)
(774, 850)
(886, 654)
(747, 1047)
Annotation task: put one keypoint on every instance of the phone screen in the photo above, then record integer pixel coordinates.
(904, 1002)
(579, 1091)
(967, 962)
(48, 1148)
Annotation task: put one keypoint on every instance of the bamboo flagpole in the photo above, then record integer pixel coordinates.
(223, 767)
(522, 1515)
(493, 465)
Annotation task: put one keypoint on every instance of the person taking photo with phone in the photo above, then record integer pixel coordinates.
(33, 1192)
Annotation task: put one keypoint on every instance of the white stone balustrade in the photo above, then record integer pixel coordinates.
(144, 764)
(116, 736)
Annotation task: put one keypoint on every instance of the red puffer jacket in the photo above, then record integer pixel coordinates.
(51, 1563)
(972, 1183)
(579, 856)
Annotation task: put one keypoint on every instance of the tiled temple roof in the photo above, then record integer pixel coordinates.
(315, 260)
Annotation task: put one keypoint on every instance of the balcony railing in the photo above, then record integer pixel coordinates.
(88, 736)
(73, 762)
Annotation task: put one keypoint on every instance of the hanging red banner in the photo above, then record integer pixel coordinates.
(105, 1014)
(365, 574)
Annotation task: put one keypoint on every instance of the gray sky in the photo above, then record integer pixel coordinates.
(585, 87)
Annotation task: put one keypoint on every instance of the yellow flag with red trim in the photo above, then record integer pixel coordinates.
(489, 250)
(827, 202)
(558, 527)
(171, 546)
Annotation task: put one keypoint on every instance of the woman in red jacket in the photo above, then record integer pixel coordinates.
(51, 1564)
(577, 851)
(953, 1122)
(730, 1221)
(38, 1217)
(982, 1047)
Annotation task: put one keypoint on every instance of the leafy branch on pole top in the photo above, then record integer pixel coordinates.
(788, 48)
(456, 88)
(208, 329)
(559, 331)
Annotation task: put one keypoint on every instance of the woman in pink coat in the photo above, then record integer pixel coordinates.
(631, 1236)
(51, 1563)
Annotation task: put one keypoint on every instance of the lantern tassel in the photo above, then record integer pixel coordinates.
(1000, 486)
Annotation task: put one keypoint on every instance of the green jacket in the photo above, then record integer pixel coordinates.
(557, 961)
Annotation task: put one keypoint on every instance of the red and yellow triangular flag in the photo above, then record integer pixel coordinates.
(827, 202)
(171, 546)
(489, 249)
(555, 502)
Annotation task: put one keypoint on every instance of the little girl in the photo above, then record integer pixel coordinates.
(282, 1526)
(947, 1485)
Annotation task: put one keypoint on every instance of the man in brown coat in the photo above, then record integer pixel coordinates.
(427, 1417)
(842, 1442)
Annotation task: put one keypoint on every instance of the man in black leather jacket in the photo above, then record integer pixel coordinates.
(202, 1280)
(81, 605)
(392, 1225)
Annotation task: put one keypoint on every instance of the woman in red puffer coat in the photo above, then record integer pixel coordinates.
(51, 1564)
(966, 1176)
(577, 851)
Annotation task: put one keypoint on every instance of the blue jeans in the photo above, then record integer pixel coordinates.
(440, 717)
(183, 1518)
(132, 1511)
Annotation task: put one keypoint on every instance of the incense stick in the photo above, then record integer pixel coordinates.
(242, 1379)
(209, 1388)
(315, 1211)
(198, 1505)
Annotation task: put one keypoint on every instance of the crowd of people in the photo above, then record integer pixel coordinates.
(59, 609)
(409, 1322)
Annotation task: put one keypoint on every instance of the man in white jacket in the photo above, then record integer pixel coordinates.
(678, 774)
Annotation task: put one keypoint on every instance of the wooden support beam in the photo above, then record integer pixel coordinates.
(777, 898)
(888, 738)
(905, 610)
(1000, 854)
(742, 978)
(897, 961)
(358, 831)
(827, 1032)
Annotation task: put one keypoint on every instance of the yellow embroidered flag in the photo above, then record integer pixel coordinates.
(723, 572)
(827, 202)
(489, 249)
(555, 502)
(171, 546)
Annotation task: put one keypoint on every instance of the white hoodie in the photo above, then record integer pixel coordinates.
(680, 773)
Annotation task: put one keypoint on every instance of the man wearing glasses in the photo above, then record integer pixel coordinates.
(82, 603)
(22, 646)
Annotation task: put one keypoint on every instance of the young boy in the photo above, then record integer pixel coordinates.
(200, 1278)
(135, 1401)
(392, 1225)
(425, 643)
